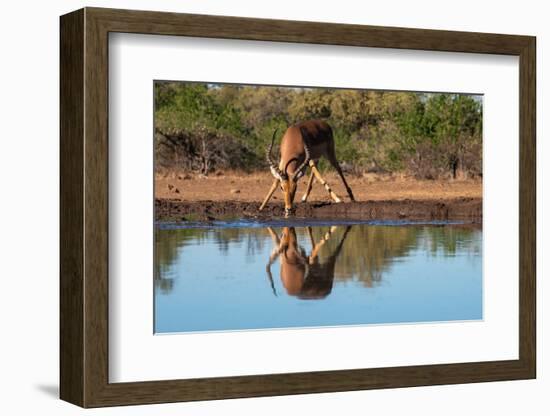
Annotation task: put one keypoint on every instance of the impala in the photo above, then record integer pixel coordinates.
(302, 275)
(302, 145)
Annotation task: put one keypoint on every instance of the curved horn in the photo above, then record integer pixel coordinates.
(274, 168)
(288, 163)
(307, 158)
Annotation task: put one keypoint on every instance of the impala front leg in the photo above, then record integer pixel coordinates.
(274, 254)
(268, 196)
(278, 246)
(317, 247)
(323, 182)
(309, 186)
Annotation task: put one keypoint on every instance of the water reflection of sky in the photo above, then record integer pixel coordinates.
(216, 279)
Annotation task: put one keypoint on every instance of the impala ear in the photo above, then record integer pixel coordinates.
(275, 173)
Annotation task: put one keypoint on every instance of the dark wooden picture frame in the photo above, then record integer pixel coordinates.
(84, 207)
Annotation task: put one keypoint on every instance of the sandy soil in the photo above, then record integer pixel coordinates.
(184, 197)
(252, 188)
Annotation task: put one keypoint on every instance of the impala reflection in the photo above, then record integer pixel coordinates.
(304, 275)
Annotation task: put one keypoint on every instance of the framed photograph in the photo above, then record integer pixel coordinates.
(254, 207)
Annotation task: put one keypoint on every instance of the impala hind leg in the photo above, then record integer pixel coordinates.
(309, 186)
(323, 182)
(336, 166)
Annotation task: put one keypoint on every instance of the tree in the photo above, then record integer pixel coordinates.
(204, 127)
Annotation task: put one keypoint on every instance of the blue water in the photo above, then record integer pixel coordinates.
(238, 276)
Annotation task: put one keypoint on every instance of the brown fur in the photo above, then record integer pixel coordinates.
(317, 136)
(302, 275)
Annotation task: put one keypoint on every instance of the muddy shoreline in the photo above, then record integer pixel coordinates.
(468, 210)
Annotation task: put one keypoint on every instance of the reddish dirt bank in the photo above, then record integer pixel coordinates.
(456, 209)
(241, 187)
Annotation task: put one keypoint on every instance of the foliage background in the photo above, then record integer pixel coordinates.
(206, 127)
